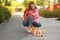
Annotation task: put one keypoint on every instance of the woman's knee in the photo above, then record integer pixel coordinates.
(25, 23)
(30, 17)
(39, 25)
(36, 24)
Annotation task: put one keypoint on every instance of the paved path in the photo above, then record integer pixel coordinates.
(14, 30)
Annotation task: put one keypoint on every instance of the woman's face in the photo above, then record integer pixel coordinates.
(33, 6)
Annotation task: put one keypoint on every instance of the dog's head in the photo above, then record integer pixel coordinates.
(38, 32)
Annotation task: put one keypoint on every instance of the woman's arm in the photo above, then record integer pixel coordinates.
(36, 16)
(36, 12)
(25, 15)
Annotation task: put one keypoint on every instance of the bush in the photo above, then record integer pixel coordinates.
(46, 13)
(57, 13)
(5, 14)
(11, 9)
(2, 17)
(49, 14)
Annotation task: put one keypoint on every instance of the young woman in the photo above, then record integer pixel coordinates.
(31, 16)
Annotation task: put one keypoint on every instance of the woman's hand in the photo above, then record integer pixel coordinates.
(33, 14)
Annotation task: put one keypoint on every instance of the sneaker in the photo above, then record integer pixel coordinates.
(28, 30)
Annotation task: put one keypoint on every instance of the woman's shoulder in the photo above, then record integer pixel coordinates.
(36, 9)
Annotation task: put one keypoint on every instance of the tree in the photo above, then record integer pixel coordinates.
(46, 2)
(25, 3)
(1, 1)
(58, 1)
(7, 3)
(40, 2)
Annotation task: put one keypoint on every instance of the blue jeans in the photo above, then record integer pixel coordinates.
(30, 23)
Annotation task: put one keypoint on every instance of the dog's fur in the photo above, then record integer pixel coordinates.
(35, 31)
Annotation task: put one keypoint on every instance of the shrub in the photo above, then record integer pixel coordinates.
(46, 13)
(57, 12)
(2, 17)
(49, 14)
(5, 14)
(11, 9)
(58, 15)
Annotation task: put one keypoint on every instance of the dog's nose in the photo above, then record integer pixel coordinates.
(41, 35)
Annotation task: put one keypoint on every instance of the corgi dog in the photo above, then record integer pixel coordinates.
(36, 32)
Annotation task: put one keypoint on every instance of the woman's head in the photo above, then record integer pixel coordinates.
(31, 5)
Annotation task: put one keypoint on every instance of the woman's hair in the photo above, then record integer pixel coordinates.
(29, 5)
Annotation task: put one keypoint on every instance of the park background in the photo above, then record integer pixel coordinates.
(48, 8)
(11, 18)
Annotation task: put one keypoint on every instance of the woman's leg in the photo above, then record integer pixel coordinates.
(35, 24)
(30, 19)
(28, 22)
(25, 23)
